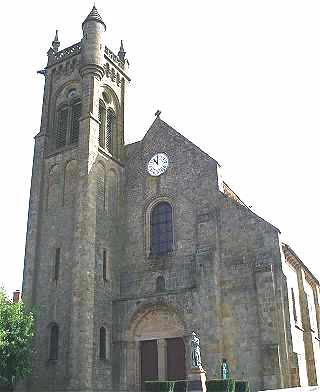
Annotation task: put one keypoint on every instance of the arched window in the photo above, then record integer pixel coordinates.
(102, 125)
(75, 117)
(161, 229)
(67, 123)
(62, 127)
(105, 265)
(160, 284)
(111, 122)
(54, 342)
(103, 344)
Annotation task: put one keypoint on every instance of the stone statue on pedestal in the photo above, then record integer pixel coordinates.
(195, 351)
(224, 370)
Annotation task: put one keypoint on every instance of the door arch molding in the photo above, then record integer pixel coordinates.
(156, 322)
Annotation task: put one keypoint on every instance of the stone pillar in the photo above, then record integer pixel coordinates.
(268, 322)
(34, 222)
(307, 334)
(188, 362)
(162, 359)
(132, 365)
(124, 363)
(317, 306)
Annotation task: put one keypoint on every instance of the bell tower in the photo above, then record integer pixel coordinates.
(74, 232)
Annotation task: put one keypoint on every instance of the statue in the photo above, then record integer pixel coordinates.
(195, 351)
(224, 370)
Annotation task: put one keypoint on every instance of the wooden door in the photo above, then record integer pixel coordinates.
(149, 361)
(176, 369)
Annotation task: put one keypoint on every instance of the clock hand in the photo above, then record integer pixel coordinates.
(156, 161)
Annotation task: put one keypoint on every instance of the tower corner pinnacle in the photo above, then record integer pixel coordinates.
(122, 53)
(94, 16)
(55, 42)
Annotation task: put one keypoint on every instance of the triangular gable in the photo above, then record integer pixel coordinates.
(177, 136)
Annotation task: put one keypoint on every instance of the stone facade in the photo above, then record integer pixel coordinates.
(89, 270)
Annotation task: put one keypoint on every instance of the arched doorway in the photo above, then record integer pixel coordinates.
(159, 336)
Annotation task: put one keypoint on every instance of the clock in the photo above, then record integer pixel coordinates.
(158, 164)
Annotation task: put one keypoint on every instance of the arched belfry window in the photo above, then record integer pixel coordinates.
(161, 229)
(111, 123)
(62, 126)
(67, 123)
(107, 127)
(54, 342)
(102, 125)
(75, 117)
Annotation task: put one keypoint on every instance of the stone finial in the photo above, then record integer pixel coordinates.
(56, 43)
(122, 53)
(157, 113)
(50, 52)
(94, 15)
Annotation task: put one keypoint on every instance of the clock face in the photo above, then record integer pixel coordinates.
(158, 164)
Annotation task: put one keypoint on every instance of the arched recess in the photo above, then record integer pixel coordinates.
(65, 113)
(104, 343)
(101, 186)
(113, 121)
(53, 348)
(156, 321)
(148, 218)
(62, 93)
(54, 188)
(160, 284)
(71, 173)
(156, 336)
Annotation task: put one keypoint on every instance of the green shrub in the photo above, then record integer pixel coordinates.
(221, 385)
(242, 386)
(228, 385)
(16, 334)
(180, 386)
(159, 386)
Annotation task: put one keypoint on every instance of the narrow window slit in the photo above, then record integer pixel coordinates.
(57, 264)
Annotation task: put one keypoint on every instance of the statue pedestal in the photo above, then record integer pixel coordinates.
(196, 380)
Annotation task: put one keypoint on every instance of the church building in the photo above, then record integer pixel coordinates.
(132, 248)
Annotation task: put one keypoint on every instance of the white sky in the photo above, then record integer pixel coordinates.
(239, 78)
